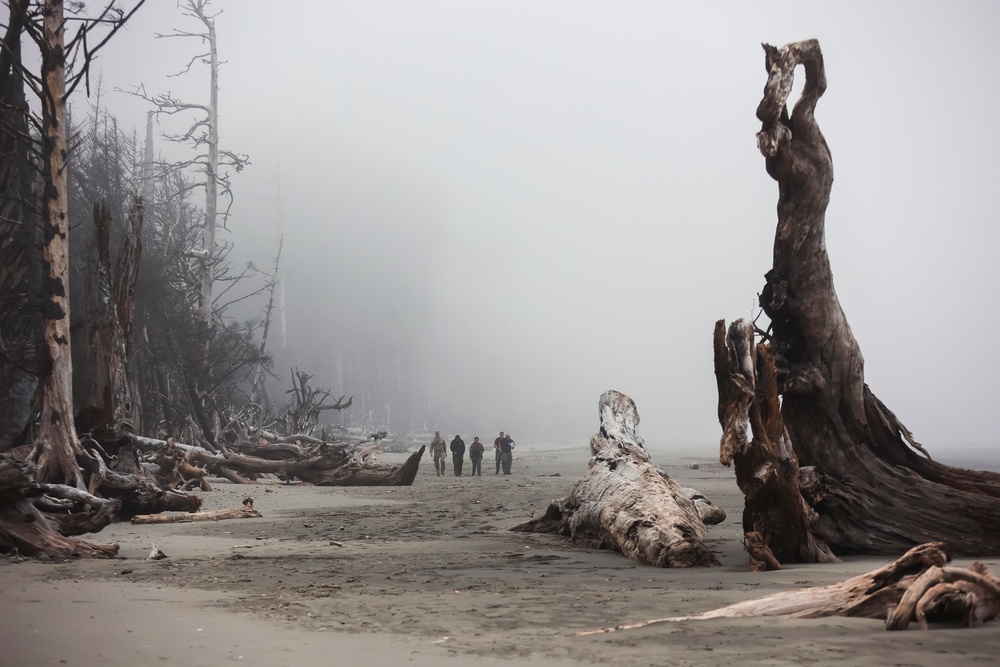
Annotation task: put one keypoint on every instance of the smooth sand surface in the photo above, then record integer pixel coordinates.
(429, 575)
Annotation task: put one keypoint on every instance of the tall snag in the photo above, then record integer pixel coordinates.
(873, 488)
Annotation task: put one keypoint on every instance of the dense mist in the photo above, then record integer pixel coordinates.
(493, 212)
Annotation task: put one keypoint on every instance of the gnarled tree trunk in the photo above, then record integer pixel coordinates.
(873, 487)
(624, 502)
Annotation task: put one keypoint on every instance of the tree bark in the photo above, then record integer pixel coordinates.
(106, 411)
(20, 263)
(624, 502)
(862, 473)
(777, 522)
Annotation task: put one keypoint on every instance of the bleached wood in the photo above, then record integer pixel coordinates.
(624, 502)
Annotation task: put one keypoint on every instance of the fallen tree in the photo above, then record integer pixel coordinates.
(322, 464)
(625, 503)
(920, 586)
(869, 486)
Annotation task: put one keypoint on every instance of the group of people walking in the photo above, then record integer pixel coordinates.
(503, 448)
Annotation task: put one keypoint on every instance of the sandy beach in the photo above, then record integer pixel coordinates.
(427, 575)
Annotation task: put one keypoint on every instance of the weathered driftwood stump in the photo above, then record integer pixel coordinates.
(624, 502)
(919, 586)
(869, 486)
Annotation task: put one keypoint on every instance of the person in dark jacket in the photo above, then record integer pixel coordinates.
(504, 447)
(476, 450)
(458, 454)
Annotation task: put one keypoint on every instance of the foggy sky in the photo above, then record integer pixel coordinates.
(554, 199)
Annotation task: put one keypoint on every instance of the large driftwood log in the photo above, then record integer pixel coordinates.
(919, 586)
(326, 464)
(624, 502)
(872, 486)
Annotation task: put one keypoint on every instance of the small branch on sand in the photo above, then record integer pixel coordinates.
(214, 515)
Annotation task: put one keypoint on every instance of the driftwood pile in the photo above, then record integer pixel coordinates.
(626, 503)
(920, 587)
(35, 518)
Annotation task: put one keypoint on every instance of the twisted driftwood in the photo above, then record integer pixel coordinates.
(869, 485)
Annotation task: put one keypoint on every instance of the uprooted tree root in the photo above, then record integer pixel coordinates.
(920, 586)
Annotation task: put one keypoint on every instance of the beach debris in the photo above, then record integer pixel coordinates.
(155, 553)
(625, 502)
(920, 587)
(189, 517)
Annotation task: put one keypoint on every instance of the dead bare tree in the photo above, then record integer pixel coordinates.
(259, 393)
(872, 487)
(308, 403)
(202, 135)
(20, 264)
(56, 445)
(106, 409)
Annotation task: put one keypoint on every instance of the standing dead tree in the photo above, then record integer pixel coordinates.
(20, 265)
(110, 303)
(203, 135)
(625, 502)
(57, 446)
(872, 487)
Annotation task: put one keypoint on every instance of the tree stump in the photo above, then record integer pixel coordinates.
(873, 488)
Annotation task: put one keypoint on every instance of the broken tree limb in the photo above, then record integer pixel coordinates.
(212, 515)
(893, 592)
(624, 502)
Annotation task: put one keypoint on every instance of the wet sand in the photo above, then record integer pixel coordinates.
(428, 575)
